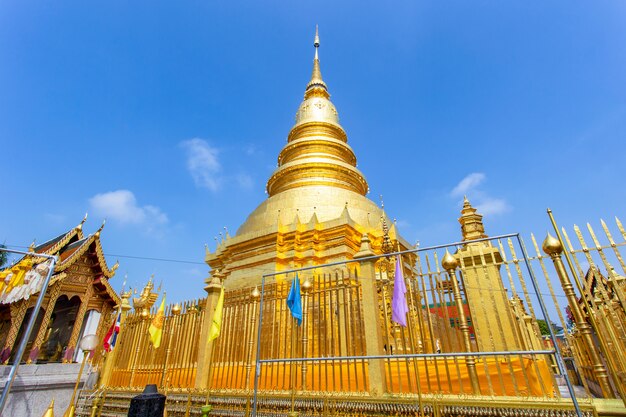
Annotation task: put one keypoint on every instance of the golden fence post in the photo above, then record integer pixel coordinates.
(109, 361)
(553, 248)
(171, 327)
(143, 331)
(255, 295)
(292, 368)
(371, 317)
(450, 264)
(213, 288)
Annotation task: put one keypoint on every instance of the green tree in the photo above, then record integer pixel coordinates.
(4, 256)
(543, 327)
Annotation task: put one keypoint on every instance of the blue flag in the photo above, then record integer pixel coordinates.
(294, 301)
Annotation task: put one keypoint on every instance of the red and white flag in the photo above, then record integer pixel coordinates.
(111, 337)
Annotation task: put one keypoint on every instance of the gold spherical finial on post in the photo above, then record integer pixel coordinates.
(551, 246)
(306, 286)
(176, 309)
(144, 314)
(449, 262)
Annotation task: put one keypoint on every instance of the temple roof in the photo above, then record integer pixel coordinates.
(69, 247)
(53, 246)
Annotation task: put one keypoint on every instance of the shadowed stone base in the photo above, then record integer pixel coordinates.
(36, 385)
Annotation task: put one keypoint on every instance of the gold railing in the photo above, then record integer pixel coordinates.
(593, 288)
(472, 327)
(487, 291)
(173, 364)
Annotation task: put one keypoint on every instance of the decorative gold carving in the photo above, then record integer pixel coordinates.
(53, 295)
(18, 311)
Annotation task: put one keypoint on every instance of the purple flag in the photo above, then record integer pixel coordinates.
(398, 301)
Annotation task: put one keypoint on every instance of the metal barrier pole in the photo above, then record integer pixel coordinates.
(257, 367)
(29, 326)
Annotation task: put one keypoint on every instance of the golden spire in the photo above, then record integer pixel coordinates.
(316, 77)
(316, 152)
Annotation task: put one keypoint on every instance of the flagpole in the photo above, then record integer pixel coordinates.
(209, 382)
(419, 383)
(175, 311)
(219, 308)
(294, 329)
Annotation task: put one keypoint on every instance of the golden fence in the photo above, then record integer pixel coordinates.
(173, 364)
(429, 355)
(473, 327)
(589, 298)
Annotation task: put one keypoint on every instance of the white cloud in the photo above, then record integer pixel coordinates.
(467, 184)
(121, 206)
(202, 163)
(481, 200)
(491, 206)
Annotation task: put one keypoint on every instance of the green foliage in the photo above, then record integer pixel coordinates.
(4, 256)
(543, 327)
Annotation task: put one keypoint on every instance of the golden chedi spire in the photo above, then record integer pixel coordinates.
(472, 226)
(316, 209)
(316, 171)
(316, 152)
(316, 83)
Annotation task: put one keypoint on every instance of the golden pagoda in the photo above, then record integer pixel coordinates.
(468, 342)
(317, 208)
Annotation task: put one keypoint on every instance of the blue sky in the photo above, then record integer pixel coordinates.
(167, 117)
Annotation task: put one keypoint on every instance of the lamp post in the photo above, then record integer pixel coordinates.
(87, 344)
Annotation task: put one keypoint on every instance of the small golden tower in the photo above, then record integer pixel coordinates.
(471, 222)
(486, 295)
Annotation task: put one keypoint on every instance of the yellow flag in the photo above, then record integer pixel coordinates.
(216, 325)
(156, 328)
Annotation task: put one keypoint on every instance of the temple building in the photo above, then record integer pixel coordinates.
(78, 301)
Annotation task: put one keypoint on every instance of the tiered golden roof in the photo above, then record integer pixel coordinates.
(316, 171)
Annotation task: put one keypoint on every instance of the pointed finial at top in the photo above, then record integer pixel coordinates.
(316, 41)
(316, 82)
(104, 221)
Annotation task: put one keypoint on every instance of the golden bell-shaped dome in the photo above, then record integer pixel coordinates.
(317, 152)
